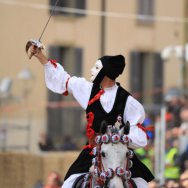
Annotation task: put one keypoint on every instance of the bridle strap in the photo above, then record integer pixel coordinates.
(101, 168)
(102, 177)
(90, 182)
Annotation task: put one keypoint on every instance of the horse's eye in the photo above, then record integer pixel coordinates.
(103, 154)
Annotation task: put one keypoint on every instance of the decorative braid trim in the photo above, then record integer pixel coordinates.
(144, 129)
(53, 62)
(96, 97)
(66, 92)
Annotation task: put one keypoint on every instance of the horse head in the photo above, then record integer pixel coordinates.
(112, 157)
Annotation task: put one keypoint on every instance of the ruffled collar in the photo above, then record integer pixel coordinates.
(110, 88)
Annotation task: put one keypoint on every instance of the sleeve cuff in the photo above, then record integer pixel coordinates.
(47, 64)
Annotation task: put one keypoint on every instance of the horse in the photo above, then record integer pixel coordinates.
(112, 161)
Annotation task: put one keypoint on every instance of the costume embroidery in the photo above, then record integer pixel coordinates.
(145, 129)
(89, 131)
(89, 146)
(53, 62)
(96, 97)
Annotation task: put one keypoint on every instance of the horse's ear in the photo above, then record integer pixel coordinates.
(103, 127)
(127, 128)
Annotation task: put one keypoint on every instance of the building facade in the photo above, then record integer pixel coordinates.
(78, 33)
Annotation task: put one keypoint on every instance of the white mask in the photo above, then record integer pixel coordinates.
(96, 69)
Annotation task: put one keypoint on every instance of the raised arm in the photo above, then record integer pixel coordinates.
(59, 81)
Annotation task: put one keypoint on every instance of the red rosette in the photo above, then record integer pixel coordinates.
(120, 171)
(109, 173)
(90, 117)
(116, 138)
(105, 138)
(90, 133)
(125, 139)
(89, 125)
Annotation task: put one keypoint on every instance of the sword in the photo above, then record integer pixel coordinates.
(37, 42)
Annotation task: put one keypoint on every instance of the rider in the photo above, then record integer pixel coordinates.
(103, 99)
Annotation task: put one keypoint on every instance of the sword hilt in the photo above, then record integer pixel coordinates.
(36, 44)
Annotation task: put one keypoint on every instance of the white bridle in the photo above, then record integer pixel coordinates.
(101, 176)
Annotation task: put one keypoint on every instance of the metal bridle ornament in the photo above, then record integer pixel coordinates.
(37, 42)
(114, 138)
(102, 177)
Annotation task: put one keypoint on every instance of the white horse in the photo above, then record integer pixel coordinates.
(111, 164)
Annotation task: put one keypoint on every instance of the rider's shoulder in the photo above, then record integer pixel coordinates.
(134, 102)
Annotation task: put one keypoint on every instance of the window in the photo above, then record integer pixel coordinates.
(146, 77)
(63, 112)
(145, 10)
(74, 4)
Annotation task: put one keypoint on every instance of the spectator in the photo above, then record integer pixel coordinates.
(183, 161)
(153, 184)
(184, 129)
(171, 168)
(38, 184)
(172, 184)
(45, 143)
(68, 144)
(184, 180)
(53, 181)
(174, 107)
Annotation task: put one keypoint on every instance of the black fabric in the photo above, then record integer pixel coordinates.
(81, 164)
(140, 170)
(100, 115)
(99, 77)
(113, 65)
(79, 181)
(84, 160)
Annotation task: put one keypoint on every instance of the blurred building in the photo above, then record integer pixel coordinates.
(76, 36)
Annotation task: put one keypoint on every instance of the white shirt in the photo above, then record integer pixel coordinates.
(56, 78)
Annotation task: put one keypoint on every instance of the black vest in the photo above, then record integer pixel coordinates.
(84, 160)
(100, 115)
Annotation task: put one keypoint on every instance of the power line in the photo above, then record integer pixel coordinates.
(97, 13)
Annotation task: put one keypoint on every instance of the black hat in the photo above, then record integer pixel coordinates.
(113, 66)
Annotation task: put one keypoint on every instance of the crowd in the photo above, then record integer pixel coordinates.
(182, 182)
(53, 180)
(176, 154)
